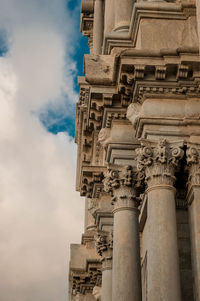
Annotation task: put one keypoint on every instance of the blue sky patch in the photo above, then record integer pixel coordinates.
(56, 121)
(3, 42)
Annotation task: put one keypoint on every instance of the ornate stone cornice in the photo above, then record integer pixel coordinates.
(159, 160)
(91, 175)
(83, 281)
(140, 81)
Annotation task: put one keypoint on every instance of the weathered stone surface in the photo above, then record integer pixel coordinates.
(138, 161)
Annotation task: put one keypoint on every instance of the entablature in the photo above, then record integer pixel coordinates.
(162, 74)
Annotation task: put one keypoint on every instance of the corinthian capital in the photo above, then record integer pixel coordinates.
(193, 161)
(114, 178)
(192, 155)
(103, 242)
(122, 183)
(159, 161)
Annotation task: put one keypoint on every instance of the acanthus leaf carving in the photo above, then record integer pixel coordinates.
(159, 160)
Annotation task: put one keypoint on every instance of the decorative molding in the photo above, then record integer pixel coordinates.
(90, 176)
(160, 72)
(133, 113)
(136, 81)
(104, 136)
(83, 281)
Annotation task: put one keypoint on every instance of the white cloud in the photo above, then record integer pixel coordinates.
(40, 213)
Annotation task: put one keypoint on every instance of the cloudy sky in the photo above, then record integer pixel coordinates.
(40, 213)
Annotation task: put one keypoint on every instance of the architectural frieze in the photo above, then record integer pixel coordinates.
(159, 80)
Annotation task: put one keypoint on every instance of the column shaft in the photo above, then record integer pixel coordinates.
(126, 276)
(123, 13)
(98, 27)
(194, 219)
(106, 285)
(162, 254)
(126, 256)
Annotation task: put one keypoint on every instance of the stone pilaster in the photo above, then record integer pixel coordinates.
(198, 18)
(104, 246)
(159, 161)
(123, 13)
(109, 20)
(126, 277)
(98, 27)
(193, 197)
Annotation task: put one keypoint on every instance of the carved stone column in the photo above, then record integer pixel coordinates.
(104, 245)
(126, 277)
(98, 27)
(193, 197)
(123, 13)
(159, 162)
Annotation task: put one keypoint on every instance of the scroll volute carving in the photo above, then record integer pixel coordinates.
(133, 113)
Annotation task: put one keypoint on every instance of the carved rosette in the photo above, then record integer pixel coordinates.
(104, 247)
(122, 184)
(159, 162)
(193, 161)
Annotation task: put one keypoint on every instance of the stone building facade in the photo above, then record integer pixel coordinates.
(138, 161)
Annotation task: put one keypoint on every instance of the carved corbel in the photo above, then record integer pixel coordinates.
(139, 71)
(97, 293)
(104, 136)
(160, 72)
(107, 100)
(182, 71)
(133, 113)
